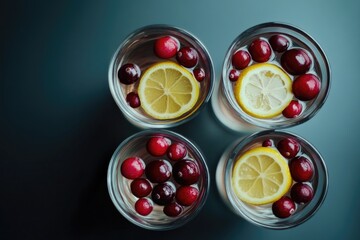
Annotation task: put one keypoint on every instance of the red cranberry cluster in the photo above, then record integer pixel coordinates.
(301, 170)
(296, 61)
(164, 47)
(169, 182)
(168, 47)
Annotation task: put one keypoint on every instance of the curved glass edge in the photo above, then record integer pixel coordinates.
(159, 124)
(289, 123)
(228, 165)
(117, 203)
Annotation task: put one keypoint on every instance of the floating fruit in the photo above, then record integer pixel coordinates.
(260, 50)
(301, 169)
(279, 43)
(187, 56)
(129, 73)
(186, 172)
(288, 147)
(132, 167)
(261, 176)
(306, 87)
(166, 47)
(296, 61)
(293, 109)
(241, 59)
(263, 90)
(158, 171)
(284, 207)
(168, 90)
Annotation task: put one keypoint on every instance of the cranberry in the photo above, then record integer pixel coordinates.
(241, 59)
(260, 50)
(186, 195)
(166, 47)
(306, 87)
(163, 194)
(140, 187)
(186, 172)
(234, 75)
(143, 206)
(158, 171)
(133, 99)
(301, 193)
(279, 43)
(296, 61)
(129, 73)
(267, 143)
(177, 151)
(284, 207)
(132, 167)
(288, 147)
(301, 169)
(172, 209)
(187, 56)
(293, 109)
(157, 146)
(199, 74)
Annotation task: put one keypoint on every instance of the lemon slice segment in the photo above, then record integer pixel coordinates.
(261, 176)
(263, 90)
(167, 90)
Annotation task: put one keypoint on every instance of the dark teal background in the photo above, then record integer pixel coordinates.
(59, 124)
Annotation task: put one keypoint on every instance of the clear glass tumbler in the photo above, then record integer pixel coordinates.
(139, 49)
(263, 214)
(125, 199)
(284, 51)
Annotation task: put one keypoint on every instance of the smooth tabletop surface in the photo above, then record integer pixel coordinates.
(59, 124)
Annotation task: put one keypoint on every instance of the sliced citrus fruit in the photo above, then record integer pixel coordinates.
(263, 90)
(260, 176)
(167, 90)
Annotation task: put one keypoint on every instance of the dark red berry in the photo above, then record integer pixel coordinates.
(301, 193)
(306, 87)
(140, 187)
(187, 56)
(133, 99)
(143, 206)
(296, 61)
(293, 109)
(241, 59)
(157, 146)
(158, 171)
(186, 172)
(260, 50)
(234, 75)
(301, 169)
(199, 74)
(267, 143)
(279, 43)
(129, 73)
(284, 207)
(186, 195)
(166, 47)
(163, 193)
(177, 151)
(132, 167)
(288, 147)
(172, 209)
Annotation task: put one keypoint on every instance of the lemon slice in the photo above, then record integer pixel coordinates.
(167, 90)
(260, 176)
(263, 90)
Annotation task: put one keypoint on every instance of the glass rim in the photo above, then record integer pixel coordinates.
(262, 123)
(117, 202)
(159, 123)
(234, 201)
